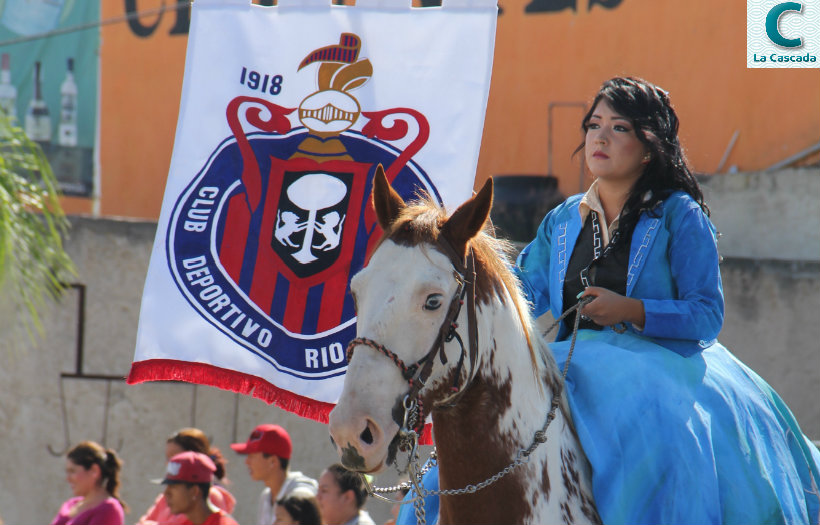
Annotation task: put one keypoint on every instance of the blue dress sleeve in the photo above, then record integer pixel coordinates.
(696, 313)
(533, 266)
(407, 515)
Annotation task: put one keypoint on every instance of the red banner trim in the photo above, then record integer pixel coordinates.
(231, 380)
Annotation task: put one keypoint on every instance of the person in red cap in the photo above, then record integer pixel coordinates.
(188, 477)
(195, 440)
(267, 455)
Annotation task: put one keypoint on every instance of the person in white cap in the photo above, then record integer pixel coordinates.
(268, 451)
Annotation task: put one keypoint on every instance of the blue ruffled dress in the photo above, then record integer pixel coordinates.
(686, 440)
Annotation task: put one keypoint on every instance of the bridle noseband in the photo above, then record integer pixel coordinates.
(419, 372)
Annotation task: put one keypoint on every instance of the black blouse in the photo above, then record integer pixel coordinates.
(609, 271)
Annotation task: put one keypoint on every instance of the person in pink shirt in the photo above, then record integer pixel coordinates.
(94, 475)
(195, 440)
(188, 477)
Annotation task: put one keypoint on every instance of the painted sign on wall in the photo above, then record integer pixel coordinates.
(550, 58)
(48, 82)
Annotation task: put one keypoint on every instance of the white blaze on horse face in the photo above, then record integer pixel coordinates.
(391, 295)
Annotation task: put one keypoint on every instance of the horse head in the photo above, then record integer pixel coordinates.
(408, 299)
(443, 329)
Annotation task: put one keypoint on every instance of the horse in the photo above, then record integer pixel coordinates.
(486, 405)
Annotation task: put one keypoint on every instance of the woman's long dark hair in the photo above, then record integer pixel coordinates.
(88, 453)
(656, 125)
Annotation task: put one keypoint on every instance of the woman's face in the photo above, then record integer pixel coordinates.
(612, 150)
(83, 481)
(332, 501)
(181, 498)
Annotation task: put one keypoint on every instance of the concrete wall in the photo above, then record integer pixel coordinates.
(772, 299)
(766, 215)
(112, 260)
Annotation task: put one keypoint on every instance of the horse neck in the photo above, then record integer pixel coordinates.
(496, 417)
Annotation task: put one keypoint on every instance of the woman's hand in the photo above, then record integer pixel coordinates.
(609, 308)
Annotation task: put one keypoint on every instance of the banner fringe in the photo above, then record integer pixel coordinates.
(245, 384)
(230, 380)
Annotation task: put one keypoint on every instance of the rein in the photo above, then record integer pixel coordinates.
(521, 457)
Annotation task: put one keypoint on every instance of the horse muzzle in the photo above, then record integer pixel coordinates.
(361, 443)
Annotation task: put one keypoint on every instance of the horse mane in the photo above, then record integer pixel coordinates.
(421, 222)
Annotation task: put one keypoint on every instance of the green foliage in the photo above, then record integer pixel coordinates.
(33, 263)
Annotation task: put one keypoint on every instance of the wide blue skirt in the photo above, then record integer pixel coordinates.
(686, 440)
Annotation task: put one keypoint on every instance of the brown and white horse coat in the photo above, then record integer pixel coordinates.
(402, 297)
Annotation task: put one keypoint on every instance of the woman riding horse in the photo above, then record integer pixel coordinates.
(676, 429)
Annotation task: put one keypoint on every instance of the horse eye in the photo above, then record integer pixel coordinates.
(433, 302)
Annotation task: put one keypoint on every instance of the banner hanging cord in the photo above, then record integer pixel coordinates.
(91, 25)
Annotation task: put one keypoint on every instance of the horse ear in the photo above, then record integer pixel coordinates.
(386, 201)
(468, 220)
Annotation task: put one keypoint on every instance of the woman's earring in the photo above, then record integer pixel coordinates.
(647, 157)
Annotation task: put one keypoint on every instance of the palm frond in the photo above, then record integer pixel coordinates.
(33, 263)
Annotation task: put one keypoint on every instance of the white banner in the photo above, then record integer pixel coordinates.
(286, 111)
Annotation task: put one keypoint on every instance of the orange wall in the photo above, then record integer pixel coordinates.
(141, 84)
(694, 49)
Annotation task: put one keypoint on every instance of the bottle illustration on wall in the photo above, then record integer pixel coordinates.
(8, 93)
(38, 120)
(67, 131)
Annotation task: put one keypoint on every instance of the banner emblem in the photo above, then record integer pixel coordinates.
(265, 254)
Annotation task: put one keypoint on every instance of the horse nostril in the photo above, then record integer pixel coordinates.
(367, 436)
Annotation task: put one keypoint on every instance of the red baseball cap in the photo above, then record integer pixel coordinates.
(188, 467)
(268, 439)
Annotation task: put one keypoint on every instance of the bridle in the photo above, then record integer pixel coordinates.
(419, 372)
